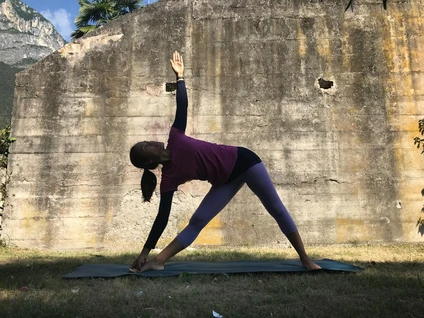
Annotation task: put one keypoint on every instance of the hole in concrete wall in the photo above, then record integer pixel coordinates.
(170, 87)
(422, 192)
(325, 84)
(385, 220)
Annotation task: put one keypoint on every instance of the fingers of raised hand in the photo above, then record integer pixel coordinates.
(176, 57)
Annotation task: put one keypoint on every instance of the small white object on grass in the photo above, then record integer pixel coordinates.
(216, 315)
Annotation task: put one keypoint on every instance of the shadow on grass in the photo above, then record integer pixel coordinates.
(236, 295)
(19, 271)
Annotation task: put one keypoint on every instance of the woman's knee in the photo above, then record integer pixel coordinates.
(276, 209)
(197, 221)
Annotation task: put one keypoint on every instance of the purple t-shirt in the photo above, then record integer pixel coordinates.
(194, 159)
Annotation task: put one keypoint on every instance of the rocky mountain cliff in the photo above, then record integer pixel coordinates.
(25, 37)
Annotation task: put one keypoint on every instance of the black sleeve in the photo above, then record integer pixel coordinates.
(182, 104)
(161, 219)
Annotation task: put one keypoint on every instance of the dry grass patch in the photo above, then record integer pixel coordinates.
(389, 287)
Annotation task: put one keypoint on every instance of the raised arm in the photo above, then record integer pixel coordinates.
(158, 227)
(182, 100)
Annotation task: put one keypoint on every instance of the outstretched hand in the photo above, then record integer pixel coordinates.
(139, 262)
(177, 64)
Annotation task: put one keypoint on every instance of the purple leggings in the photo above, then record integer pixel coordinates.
(258, 180)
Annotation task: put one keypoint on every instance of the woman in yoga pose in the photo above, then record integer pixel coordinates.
(227, 168)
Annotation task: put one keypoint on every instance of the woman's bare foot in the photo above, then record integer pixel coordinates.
(309, 264)
(152, 265)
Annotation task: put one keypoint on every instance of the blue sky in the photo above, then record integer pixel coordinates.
(61, 13)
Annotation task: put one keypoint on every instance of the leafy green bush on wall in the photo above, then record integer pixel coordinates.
(5, 142)
(418, 141)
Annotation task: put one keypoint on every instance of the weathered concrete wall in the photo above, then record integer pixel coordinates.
(342, 158)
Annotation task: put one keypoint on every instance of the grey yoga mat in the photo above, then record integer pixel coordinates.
(177, 268)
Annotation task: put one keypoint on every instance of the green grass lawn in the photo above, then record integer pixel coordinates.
(391, 286)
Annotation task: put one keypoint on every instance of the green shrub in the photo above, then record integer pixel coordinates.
(418, 140)
(5, 142)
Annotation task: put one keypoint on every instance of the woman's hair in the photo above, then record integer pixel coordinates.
(148, 184)
(148, 180)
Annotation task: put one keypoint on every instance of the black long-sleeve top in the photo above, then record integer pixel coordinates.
(165, 204)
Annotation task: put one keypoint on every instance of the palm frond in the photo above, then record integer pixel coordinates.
(82, 31)
(83, 2)
(76, 34)
(88, 28)
(131, 5)
(94, 13)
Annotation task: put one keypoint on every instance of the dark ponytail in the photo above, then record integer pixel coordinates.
(148, 180)
(148, 184)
